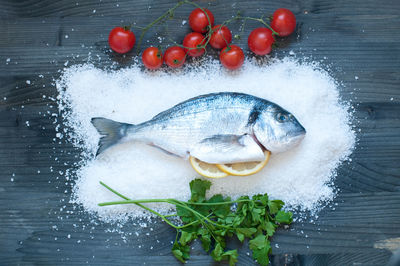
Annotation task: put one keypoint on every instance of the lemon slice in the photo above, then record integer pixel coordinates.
(206, 169)
(244, 169)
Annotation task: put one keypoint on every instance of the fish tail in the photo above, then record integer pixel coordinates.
(112, 132)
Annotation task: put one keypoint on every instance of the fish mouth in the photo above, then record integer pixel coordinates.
(299, 137)
(291, 142)
(259, 143)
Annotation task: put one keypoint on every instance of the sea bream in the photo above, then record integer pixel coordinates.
(216, 128)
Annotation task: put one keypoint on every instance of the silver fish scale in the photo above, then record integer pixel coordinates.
(182, 128)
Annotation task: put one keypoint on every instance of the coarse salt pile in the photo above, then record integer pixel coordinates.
(301, 177)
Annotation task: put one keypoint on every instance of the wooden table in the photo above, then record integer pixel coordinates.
(359, 41)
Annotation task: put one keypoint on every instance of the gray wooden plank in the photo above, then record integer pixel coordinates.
(32, 8)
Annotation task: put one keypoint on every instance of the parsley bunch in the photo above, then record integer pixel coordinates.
(213, 220)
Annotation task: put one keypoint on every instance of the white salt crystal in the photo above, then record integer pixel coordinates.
(28, 82)
(300, 177)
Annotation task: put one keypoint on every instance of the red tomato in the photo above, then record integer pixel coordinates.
(194, 40)
(220, 37)
(174, 56)
(232, 57)
(283, 22)
(152, 58)
(260, 41)
(121, 40)
(198, 20)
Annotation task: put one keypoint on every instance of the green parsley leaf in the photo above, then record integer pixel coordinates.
(283, 217)
(261, 255)
(205, 238)
(258, 242)
(185, 215)
(181, 252)
(220, 210)
(256, 215)
(217, 252)
(274, 206)
(240, 236)
(187, 237)
(198, 189)
(231, 256)
(247, 232)
(270, 228)
(261, 248)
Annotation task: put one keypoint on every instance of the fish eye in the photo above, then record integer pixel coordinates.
(281, 117)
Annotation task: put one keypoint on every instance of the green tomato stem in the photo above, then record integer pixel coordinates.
(170, 11)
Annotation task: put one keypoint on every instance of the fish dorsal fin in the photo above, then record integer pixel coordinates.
(227, 149)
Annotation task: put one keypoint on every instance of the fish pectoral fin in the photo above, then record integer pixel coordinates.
(228, 149)
(225, 140)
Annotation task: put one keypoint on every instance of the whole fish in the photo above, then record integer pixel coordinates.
(218, 128)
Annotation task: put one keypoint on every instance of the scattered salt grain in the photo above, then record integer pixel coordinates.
(300, 177)
(28, 82)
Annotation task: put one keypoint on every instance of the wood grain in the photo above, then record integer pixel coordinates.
(357, 41)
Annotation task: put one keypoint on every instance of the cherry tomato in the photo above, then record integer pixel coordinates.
(260, 41)
(152, 58)
(283, 22)
(194, 40)
(220, 37)
(174, 56)
(121, 40)
(232, 57)
(198, 20)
